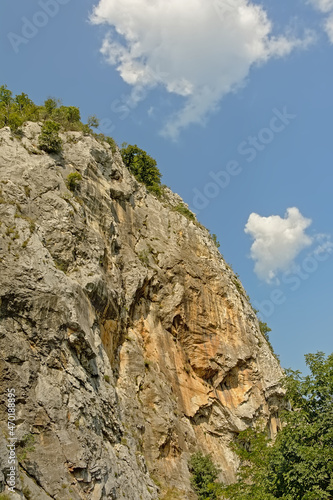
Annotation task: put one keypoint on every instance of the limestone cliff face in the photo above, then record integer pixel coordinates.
(128, 340)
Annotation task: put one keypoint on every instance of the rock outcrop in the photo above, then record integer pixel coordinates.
(129, 341)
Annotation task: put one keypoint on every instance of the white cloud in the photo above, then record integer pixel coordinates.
(329, 27)
(277, 241)
(323, 5)
(197, 49)
(326, 7)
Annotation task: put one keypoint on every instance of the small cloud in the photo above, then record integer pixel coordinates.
(200, 50)
(329, 27)
(277, 242)
(323, 5)
(326, 7)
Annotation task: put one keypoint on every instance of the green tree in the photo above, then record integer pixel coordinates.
(66, 115)
(49, 139)
(299, 464)
(26, 108)
(14, 111)
(6, 95)
(50, 105)
(93, 121)
(264, 328)
(15, 121)
(70, 114)
(204, 477)
(6, 102)
(142, 166)
(252, 447)
(23, 102)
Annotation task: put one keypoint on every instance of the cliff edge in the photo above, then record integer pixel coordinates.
(129, 341)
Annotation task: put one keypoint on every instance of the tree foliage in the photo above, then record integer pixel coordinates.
(204, 477)
(93, 121)
(49, 140)
(299, 464)
(15, 111)
(142, 166)
(68, 117)
(264, 328)
(50, 105)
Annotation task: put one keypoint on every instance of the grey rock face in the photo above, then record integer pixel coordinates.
(122, 331)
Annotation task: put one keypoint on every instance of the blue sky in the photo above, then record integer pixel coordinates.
(234, 89)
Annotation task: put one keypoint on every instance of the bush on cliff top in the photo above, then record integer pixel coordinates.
(49, 140)
(15, 111)
(142, 166)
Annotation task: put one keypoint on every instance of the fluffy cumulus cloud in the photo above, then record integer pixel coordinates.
(277, 241)
(197, 49)
(326, 6)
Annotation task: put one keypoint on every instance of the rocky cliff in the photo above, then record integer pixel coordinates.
(128, 340)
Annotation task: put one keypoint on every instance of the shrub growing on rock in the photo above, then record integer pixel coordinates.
(183, 210)
(93, 121)
(142, 166)
(49, 140)
(73, 180)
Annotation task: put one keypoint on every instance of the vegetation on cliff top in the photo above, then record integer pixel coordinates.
(49, 140)
(16, 110)
(142, 166)
(298, 465)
